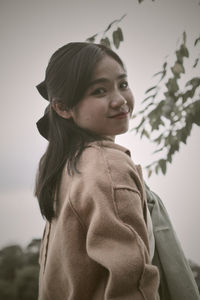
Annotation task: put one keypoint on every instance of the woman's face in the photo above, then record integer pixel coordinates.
(108, 102)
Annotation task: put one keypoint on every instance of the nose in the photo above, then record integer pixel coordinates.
(117, 100)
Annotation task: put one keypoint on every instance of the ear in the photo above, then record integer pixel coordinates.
(60, 110)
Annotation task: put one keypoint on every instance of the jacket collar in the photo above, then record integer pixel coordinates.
(110, 144)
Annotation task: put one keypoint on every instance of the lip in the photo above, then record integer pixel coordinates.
(120, 115)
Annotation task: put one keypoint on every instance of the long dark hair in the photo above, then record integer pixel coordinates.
(68, 75)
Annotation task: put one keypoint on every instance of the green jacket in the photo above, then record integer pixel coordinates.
(176, 278)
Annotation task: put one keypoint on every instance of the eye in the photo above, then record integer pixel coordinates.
(124, 84)
(99, 91)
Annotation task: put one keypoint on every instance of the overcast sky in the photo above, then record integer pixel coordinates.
(30, 32)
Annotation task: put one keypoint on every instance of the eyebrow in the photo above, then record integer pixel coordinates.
(104, 80)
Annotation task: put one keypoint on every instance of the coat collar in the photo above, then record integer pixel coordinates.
(110, 144)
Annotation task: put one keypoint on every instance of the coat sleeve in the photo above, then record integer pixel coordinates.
(117, 239)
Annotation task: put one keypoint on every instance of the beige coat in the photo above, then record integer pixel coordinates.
(97, 247)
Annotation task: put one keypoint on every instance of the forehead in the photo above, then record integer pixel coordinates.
(107, 66)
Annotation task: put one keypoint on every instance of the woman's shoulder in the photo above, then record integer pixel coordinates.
(103, 160)
(103, 153)
(103, 168)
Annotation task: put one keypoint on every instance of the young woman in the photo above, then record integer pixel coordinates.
(98, 241)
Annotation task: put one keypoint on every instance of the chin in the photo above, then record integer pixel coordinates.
(114, 132)
(124, 130)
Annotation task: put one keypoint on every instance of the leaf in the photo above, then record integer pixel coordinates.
(163, 75)
(172, 85)
(150, 89)
(174, 147)
(145, 109)
(184, 51)
(178, 68)
(197, 120)
(116, 39)
(146, 133)
(110, 25)
(172, 140)
(179, 56)
(162, 164)
(158, 73)
(152, 96)
(157, 168)
(152, 115)
(166, 110)
(158, 139)
(197, 41)
(92, 38)
(158, 150)
(194, 116)
(120, 34)
(169, 158)
(113, 22)
(188, 126)
(183, 136)
(149, 172)
(142, 121)
(195, 82)
(196, 62)
(164, 65)
(156, 123)
(105, 42)
(188, 94)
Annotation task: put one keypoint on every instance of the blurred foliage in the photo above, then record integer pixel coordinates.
(168, 111)
(27, 282)
(112, 36)
(107, 37)
(19, 271)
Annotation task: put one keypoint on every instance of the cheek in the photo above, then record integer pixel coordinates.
(131, 100)
(90, 112)
(85, 114)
